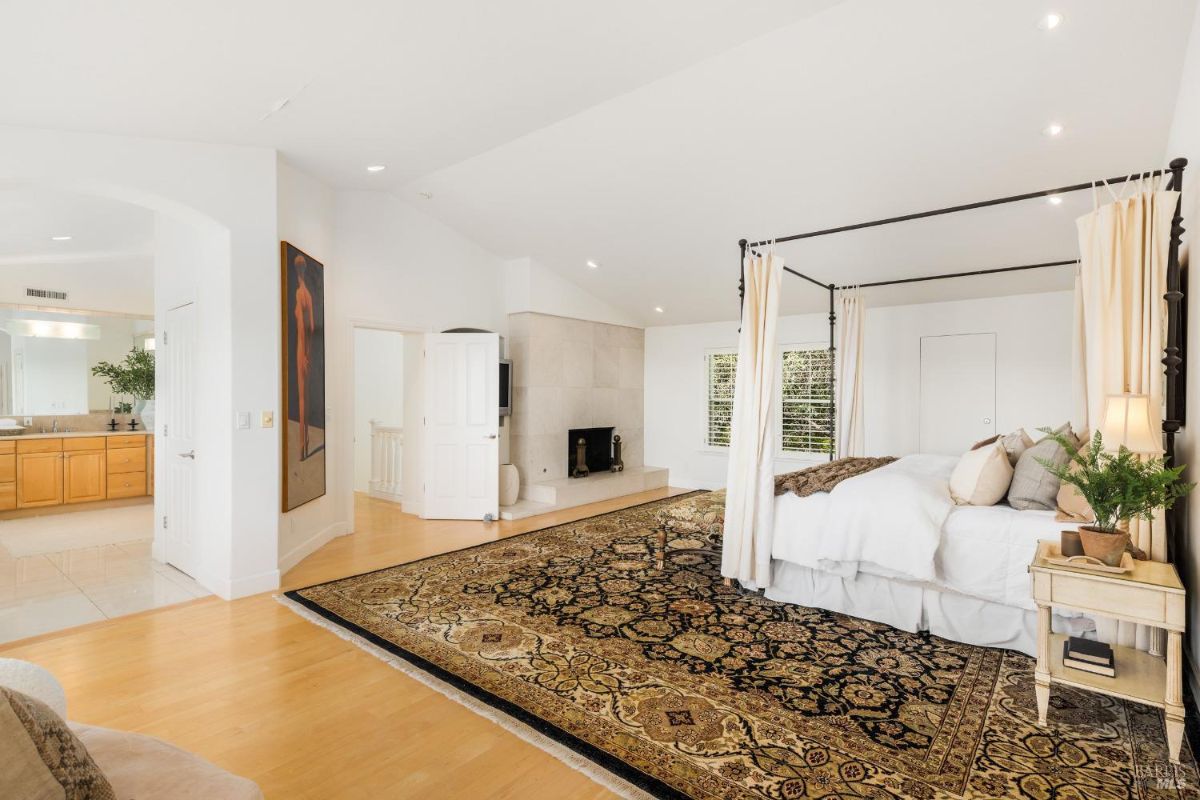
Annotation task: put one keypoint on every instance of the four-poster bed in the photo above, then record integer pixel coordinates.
(1173, 352)
(892, 545)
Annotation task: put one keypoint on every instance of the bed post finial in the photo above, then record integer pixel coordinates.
(741, 281)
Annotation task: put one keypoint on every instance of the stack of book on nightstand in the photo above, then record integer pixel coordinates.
(1089, 656)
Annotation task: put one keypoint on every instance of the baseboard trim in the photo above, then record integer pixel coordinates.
(312, 544)
(253, 584)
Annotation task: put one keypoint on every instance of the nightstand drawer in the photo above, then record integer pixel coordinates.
(1131, 601)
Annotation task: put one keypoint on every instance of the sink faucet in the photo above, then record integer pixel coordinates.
(54, 426)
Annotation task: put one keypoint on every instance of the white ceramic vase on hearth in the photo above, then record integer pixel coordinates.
(510, 484)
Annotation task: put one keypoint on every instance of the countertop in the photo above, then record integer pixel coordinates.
(71, 434)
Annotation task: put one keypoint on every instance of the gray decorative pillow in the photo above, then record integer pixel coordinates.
(1016, 443)
(1033, 487)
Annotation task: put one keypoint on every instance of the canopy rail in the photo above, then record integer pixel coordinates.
(1173, 353)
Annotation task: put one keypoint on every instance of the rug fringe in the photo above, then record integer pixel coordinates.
(561, 752)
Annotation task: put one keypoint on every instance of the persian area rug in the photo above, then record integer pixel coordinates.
(682, 687)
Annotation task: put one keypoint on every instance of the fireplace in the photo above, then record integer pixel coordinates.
(599, 448)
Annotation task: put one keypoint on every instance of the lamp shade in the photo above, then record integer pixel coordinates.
(1127, 424)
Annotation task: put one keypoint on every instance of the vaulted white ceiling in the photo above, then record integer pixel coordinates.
(412, 84)
(649, 136)
(867, 110)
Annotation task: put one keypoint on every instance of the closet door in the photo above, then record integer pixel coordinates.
(958, 391)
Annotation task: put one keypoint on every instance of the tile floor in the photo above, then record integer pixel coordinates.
(44, 593)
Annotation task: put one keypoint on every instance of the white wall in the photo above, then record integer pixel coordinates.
(378, 392)
(1185, 141)
(215, 207)
(122, 285)
(1033, 375)
(398, 267)
(529, 286)
(306, 220)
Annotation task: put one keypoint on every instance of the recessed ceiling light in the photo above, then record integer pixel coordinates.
(592, 264)
(376, 168)
(1054, 200)
(1053, 129)
(60, 238)
(1050, 21)
(659, 309)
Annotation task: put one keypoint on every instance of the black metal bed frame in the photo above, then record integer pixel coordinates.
(1173, 354)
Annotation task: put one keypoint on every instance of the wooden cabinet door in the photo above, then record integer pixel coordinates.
(39, 479)
(85, 477)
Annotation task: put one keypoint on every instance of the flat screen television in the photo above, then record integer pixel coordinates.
(505, 387)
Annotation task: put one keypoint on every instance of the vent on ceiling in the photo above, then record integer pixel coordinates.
(46, 294)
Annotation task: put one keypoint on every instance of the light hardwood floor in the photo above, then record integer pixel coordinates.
(256, 689)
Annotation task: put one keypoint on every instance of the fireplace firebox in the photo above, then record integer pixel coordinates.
(598, 448)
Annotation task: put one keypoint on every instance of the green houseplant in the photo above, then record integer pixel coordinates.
(133, 377)
(1117, 486)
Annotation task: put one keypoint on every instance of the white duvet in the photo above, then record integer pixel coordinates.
(898, 521)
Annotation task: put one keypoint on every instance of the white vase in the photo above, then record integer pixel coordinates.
(510, 484)
(145, 410)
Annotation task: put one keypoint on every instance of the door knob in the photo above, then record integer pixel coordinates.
(490, 436)
(189, 454)
(987, 420)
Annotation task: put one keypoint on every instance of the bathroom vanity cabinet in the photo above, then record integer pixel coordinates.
(49, 470)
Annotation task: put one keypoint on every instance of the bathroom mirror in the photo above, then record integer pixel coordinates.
(47, 355)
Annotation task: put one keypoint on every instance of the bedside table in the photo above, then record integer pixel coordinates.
(1151, 594)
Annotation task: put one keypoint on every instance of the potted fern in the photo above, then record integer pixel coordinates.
(1117, 486)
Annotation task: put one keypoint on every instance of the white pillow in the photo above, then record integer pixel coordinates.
(981, 477)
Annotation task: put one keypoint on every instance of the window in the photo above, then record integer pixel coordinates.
(721, 370)
(807, 407)
(806, 395)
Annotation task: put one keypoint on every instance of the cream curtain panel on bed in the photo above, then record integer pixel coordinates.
(750, 495)
(1120, 328)
(849, 388)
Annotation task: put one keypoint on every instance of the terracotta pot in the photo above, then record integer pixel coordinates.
(1107, 546)
(1069, 544)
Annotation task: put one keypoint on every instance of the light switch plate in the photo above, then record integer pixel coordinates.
(268, 419)
(243, 420)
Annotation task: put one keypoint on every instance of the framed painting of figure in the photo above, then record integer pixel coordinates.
(303, 287)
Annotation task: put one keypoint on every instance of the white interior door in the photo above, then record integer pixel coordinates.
(176, 440)
(462, 426)
(958, 391)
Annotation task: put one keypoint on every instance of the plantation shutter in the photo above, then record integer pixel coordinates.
(721, 372)
(807, 407)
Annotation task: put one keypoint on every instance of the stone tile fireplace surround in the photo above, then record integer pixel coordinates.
(570, 373)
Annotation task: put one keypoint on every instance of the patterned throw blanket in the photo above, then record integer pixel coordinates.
(703, 514)
(823, 477)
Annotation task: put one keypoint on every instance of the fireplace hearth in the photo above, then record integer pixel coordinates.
(598, 448)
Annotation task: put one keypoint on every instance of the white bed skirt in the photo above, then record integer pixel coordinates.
(916, 607)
